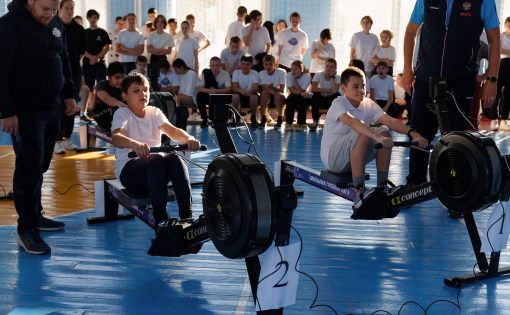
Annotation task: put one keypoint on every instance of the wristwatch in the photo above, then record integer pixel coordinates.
(492, 79)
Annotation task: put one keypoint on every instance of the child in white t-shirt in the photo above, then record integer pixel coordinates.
(385, 52)
(272, 86)
(245, 86)
(382, 90)
(138, 127)
(299, 97)
(168, 80)
(186, 94)
(325, 88)
(348, 140)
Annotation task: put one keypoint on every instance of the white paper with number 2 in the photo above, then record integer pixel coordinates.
(278, 281)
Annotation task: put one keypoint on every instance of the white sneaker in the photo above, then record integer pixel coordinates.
(59, 148)
(494, 125)
(504, 126)
(69, 145)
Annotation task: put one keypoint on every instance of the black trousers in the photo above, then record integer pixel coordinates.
(425, 122)
(319, 101)
(502, 101)
(202, 101)
(151, 175)
(93, 73)
(33, 146)
(129, 66)
(67, 122)
(299, 103)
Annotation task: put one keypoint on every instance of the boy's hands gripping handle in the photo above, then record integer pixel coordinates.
(168, 149)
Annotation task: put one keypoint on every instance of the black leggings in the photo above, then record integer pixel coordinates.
(319, 101)
(151, 175)
(299, 103)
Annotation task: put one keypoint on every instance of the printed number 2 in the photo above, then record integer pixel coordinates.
(285, 264)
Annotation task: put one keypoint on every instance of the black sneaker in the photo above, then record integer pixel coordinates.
(263, 122)
(32, 243)
(204, 123)
(48, 225)
(314, 125)
(278, 123)
(254, 123)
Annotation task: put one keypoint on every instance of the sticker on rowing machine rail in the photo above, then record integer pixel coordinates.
(495, 237)
(278, 281)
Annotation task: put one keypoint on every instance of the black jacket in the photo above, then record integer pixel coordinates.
(449, 51)
(34, 65)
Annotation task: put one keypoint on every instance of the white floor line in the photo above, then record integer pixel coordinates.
(245, 296)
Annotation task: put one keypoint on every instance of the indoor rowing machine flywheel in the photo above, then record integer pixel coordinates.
(238, 204)
(466, 171)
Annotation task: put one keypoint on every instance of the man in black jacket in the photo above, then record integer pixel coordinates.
(34, 74)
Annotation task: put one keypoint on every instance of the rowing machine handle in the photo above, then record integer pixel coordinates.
(169, 148)
(403, 144)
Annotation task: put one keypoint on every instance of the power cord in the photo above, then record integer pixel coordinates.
(68, 189)
(6, 196)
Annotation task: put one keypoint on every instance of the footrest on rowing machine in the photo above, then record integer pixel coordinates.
(342, 180)
(374, 205)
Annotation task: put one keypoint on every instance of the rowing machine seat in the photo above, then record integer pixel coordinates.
(342, 180)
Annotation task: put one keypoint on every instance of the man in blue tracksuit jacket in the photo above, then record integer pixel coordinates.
(34, 76)
(449, 44)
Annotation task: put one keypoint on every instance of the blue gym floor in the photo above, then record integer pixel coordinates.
(361, 267)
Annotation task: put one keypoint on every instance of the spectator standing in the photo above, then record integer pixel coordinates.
(364, 43)
(385, 52)
(503, 95)
(130, 44)
(119, 26)
(234, 28)
(34, 76)
(453, 57)
(159, 42)
(256, 39)
(292, 43)
(322, 50)
(75, 49)
(187, 48)
(97, 45)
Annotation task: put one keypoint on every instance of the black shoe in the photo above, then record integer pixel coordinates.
(278, 123)
(254, 123)
(48, 225)
(32, 243)
(263, 122)
(204, 123)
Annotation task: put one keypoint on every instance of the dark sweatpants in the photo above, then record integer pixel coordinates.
(33, 146)
(299, 103)
(425, 122)
(150, 176)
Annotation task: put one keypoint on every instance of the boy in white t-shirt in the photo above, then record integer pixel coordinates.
(129, 44)
(272, 86)
(382, 90)
(348, 140)
(245, 86)
(231, 55)
(298, 84)
(187, 48)
(325, 88)
(138, 127)
(292, 43)
(186, 95)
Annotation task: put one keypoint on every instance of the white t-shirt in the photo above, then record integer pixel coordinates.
(400, 93)
(186, 51)
(259, 40)
(245, 80)
(323, 83)
(381, 87)
(188, 83)
(230, 60)
(223, 80)
(364, 45)
(292, 43)
(144, 129)
(325, 51)
(129, 40)
(368, 112)
(169, 79)
(196, 35)
(234, 29)
(276, 79)
(303, 81)
(505, 44)
(112, 55)
(385, 52)
(158, 41)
